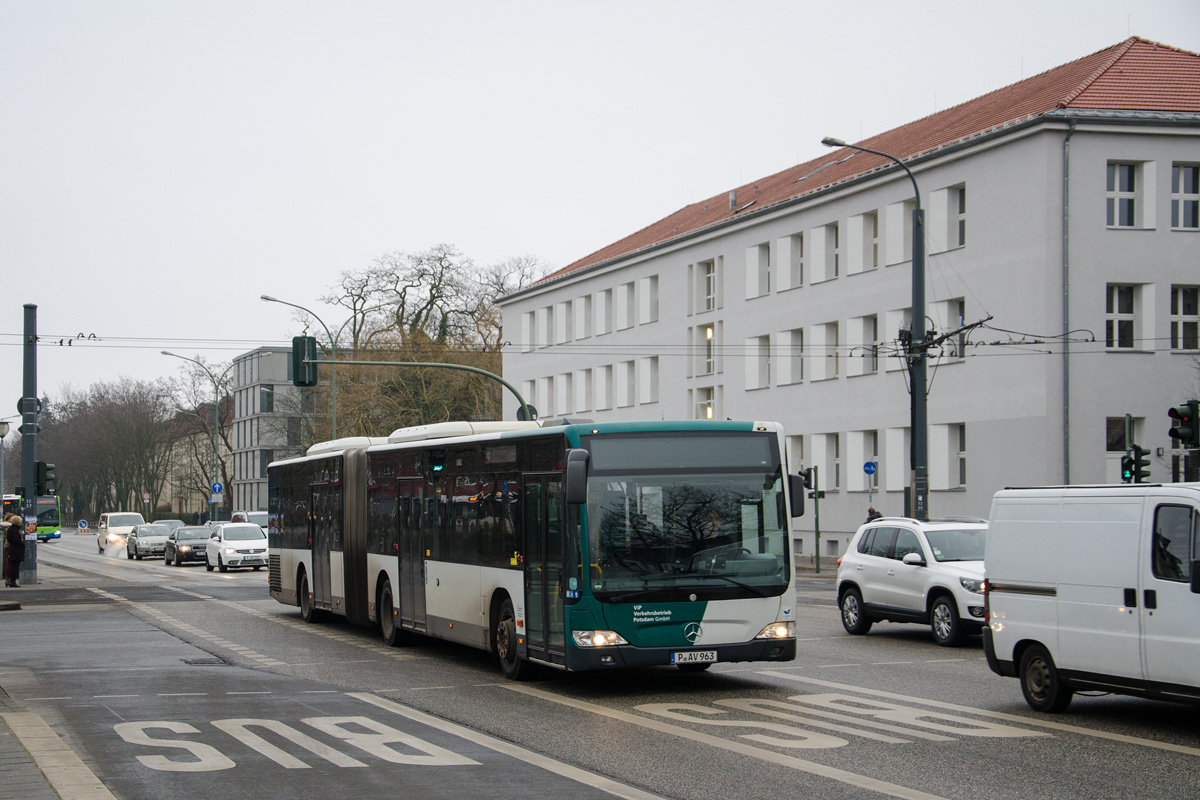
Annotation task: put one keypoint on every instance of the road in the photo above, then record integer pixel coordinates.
(176, 677)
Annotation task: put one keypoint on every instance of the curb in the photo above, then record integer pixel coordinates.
(64, 771)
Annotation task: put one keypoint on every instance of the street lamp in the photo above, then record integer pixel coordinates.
(216, 421)
(332, 351)
(916, 357)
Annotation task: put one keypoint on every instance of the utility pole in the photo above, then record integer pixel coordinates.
(29, 406)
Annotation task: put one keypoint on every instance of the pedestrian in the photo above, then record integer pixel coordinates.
(14, 537)
(872, 514)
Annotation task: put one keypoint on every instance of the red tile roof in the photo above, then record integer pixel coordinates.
(1133, 75)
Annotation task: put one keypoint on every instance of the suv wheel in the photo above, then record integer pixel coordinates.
(854, 617)
(943, 620)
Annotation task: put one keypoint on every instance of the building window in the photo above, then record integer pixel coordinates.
(265, 457)
(795, 356)
(962, 455)
(959, 195)
(564, 326)
(1120, 317)
(626, 383)
(604, 387)
(708, 349)
(1122, 195)
(604, 312)
(796, 262)
(708, 284)
(1185, 197)
(266, 398)
(834, 255)
(1185, 317)
(648, 310)
(835, 453)
(625, 305)
(872, 447)
(864, 345)
(704, 403)
(758, 362)
(1115, 429)
(583, 317)
(758, 270)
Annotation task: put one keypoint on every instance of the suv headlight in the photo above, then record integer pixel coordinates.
(778, 630)
(974, 585)
(598, 638)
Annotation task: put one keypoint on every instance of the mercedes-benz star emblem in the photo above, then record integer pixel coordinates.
(692, 631)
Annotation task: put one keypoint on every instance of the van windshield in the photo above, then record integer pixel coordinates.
(957, 545)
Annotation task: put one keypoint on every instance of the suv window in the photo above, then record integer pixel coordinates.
(881, 545)
(906, 542)
(864, 544)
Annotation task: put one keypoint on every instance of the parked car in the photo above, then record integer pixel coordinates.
(186, 544)
(236, 544)
(170, 523)
(898, 569)
(114, 528)
(146, 540)
(259, 518)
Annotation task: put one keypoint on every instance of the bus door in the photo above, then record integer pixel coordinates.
(412, 558)
(543, 530)
(320, 534)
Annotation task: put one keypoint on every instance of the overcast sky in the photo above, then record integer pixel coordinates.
(165, 162)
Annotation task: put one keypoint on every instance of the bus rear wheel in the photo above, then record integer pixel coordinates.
(308, 609)
(511, 663)
(392, 635)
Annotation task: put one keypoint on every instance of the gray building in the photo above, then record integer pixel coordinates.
(1062, 278)
(267, 421)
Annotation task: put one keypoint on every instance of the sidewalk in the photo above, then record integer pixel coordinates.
(35, 764)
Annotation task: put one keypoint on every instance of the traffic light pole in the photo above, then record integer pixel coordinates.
(29, 436)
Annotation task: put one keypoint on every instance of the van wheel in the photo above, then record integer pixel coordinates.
(854, 618)
(1040, 682)
(511, 663)
(943, 620)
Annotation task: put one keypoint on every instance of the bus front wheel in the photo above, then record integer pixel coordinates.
(308, 609)
(511, 663)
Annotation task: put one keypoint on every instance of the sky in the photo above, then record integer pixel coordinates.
(165, 163)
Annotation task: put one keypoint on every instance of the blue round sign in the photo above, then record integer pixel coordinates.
(217, 487)
(870, 467)
(83, 524)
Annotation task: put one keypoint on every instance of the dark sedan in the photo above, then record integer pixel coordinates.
(186, 544)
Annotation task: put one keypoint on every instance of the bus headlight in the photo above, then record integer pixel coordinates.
(598, 638)
(778, 630)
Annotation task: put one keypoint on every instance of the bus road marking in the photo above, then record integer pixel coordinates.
(799, 764)
(1039, 723)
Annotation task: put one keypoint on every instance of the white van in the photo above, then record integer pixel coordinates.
(1095, 588)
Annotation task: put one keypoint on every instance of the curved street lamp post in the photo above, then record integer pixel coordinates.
(919, 456)
(216, 421)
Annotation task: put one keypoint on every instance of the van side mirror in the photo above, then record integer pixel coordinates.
(796, 494)
(1196, 577)
(575, 479)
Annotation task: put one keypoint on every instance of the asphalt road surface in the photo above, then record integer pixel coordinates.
(168, 679)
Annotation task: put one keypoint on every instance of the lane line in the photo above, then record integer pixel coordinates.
(1038, 723)
(799, 764)
(576, 774)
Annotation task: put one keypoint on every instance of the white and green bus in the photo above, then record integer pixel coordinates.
(575, 546)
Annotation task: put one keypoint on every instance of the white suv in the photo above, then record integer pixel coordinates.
(903, 570)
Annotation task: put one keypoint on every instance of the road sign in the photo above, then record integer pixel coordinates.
(145, 497)
(83, 524)
(217, 487)
(870, 467)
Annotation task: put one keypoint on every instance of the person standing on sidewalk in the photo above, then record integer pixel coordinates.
(14, 537)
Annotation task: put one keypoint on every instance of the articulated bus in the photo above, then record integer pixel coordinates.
(49, 514)
(576, 546)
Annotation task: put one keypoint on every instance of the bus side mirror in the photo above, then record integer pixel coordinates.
(1196, 577)
(796, 490)
(575, 481)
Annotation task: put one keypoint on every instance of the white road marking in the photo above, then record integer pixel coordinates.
(1039, 723)
(507, 748)
(66, 772)
(802, 765)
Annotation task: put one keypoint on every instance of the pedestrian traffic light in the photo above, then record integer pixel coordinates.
(1141, 464)
(304, 361)
(1127, 469)
(44, 477)
(1185, 431)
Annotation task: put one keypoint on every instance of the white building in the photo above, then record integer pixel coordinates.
(267, 418)
(1062, 209)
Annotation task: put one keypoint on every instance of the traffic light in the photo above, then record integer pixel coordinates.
(1141, 464)
(45, 476)
(304, 361)
(1127, 469)
(806, 476)
(1187, 432)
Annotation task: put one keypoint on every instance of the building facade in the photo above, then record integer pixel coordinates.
(1062, 276)
(268, 412)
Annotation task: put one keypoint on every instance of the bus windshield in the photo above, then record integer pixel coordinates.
(47, 512)
(664, 531)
